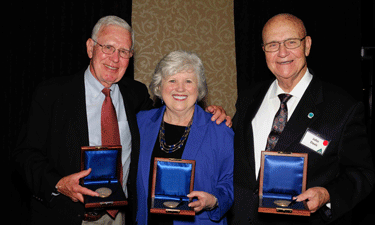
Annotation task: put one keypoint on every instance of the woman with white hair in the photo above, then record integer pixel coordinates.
(183, 130)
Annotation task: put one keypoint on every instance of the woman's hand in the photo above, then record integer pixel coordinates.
(205, 200)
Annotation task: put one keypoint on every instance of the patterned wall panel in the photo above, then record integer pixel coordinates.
(205, 27)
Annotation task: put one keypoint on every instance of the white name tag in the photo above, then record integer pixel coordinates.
(314, 141)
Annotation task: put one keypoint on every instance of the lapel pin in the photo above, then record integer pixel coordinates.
(310, 115)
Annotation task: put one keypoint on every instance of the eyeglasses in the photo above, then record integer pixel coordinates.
(109, 50)
(291, 43)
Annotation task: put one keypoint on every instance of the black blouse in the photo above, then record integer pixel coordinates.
(173, 135)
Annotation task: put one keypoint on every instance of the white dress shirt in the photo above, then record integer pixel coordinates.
(94, 102)
(263, 120)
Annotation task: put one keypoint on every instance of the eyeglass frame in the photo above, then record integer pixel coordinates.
(283, 42)
(131, 51)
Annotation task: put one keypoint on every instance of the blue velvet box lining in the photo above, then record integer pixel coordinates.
(283, 176)
(269, 203)
(173, 181)
(158, 203)
(103, 164)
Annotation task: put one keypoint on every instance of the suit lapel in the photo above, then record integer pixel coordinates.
(149, 143)
(252, 110)
(81, 112)
(300, 120)
(74, 121)
(130, 115)
(195, 139)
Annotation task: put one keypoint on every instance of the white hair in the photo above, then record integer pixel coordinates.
(111, 20)
(176, 62)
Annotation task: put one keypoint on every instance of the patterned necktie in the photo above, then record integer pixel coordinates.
(110, 130)
(279, 122)
(109, 124)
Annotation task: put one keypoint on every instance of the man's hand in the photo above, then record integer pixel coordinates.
(70, 187)
(219, 115)
(316, 197)
(205, 200)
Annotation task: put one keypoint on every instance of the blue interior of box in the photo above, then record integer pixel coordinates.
(103, 164)
(283, 176)
(159, 203)
(270, 203)
(173, 181)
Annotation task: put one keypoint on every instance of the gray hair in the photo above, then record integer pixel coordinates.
(111, 20)
(176, 62)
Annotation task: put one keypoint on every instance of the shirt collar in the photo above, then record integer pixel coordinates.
(93, 85)
(297, 91)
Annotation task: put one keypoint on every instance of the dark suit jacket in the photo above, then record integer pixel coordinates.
(345, 169)
(49, 146)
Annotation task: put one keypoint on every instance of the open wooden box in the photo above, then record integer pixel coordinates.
(106, 173)
(172, 180)
(282, 177)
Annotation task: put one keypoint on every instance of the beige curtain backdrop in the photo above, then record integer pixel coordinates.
(205, 27)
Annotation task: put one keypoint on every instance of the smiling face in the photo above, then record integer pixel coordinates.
(288, 65)
(109, 69)
(180, 92)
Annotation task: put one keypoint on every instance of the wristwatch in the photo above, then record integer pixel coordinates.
(216, 204)
(55, 191)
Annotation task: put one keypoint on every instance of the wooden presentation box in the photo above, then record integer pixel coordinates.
(282, 177)
(172, 180)
(106, 174)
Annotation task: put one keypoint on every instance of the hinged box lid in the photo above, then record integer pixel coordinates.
(282, 177)
(105, 177)
(173, 179)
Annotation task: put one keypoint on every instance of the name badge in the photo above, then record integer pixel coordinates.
(314, 141)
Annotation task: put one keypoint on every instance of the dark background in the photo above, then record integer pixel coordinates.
(47, 39)
(339, 29)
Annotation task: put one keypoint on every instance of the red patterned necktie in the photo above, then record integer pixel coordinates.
(279, 122)
(110, 130)
(109, 124)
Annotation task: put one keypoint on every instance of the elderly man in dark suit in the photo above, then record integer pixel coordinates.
(66, 114)
(340, 171)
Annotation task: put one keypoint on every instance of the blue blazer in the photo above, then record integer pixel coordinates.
(210, 145)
